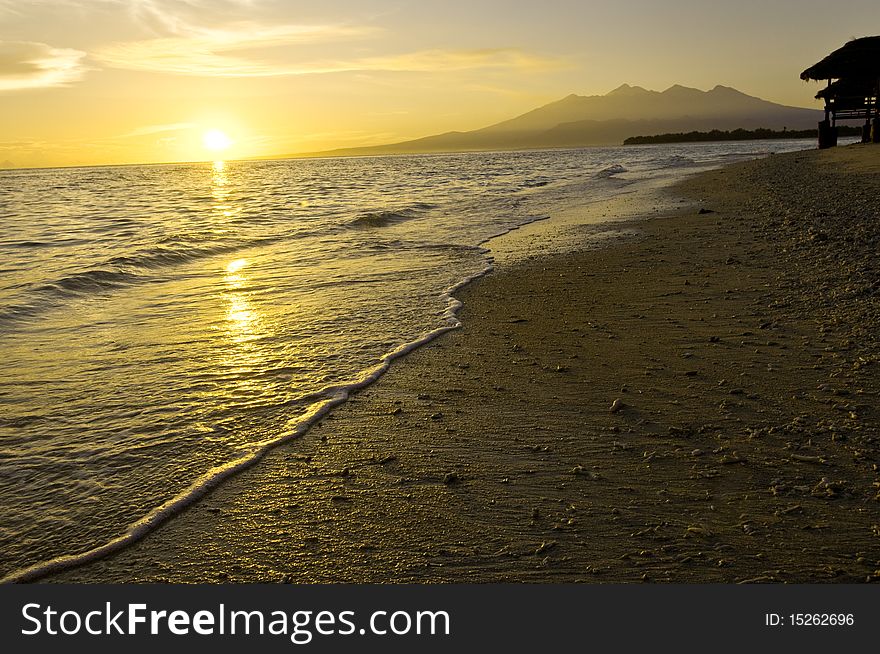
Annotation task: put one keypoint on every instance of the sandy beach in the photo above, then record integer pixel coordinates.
(696, 402)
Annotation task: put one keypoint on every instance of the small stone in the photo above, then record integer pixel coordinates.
(580, 470)
(545, 546)
(451, 478)
(616, 406)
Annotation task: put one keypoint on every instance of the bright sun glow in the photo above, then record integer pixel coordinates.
(216, 141)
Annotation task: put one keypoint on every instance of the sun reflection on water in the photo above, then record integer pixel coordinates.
(239, 311)
(242, 352)
(242, 316)
(234, 266)
(221, 192)
(243, 325)
(218, 174)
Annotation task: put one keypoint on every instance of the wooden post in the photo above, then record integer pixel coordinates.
(826, 135)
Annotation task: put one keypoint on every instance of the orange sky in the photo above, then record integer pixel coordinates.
(113, 81)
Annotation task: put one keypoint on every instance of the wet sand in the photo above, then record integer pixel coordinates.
(695, 403)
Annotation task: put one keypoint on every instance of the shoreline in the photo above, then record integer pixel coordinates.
(333, 396)
(490, 454)
(590, 215)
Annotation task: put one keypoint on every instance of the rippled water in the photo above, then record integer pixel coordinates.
(159, 323)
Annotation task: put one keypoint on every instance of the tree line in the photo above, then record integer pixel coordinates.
(737, 135)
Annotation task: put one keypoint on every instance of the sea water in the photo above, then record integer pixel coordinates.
(162, 326)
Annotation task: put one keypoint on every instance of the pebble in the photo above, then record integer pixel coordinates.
(545, 546)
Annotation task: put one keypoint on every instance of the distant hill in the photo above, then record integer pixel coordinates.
(609, 119)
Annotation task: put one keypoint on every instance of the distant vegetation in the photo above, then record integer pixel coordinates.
(738, 135)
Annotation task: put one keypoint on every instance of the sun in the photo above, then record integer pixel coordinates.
(216, 141)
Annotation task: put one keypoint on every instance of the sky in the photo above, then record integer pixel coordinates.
(87, 82)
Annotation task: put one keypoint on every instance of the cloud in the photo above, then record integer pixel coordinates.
(247, 52)
(146, 130)
(28, 65)
(236, 38)
(215, 52)
(168, 17)
(240, 38)
(453, 60)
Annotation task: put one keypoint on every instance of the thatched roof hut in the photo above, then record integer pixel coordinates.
(854, 94)
(858, 58)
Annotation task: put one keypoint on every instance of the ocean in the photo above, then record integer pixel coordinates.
(162, 326)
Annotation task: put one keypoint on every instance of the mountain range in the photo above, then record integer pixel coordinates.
(626, 111)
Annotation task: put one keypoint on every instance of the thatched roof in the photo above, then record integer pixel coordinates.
(849, 87)
(858, 58)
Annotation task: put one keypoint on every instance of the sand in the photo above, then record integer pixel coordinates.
(737, 347)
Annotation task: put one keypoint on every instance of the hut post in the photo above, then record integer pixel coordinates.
(875, 124)
(826, 135)
(825, 129)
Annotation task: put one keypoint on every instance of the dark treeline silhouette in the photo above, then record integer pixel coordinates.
(736, 135)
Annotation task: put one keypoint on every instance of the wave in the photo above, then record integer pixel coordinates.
(674, 161)
(380, 218)
(90, 281)
(164, 257)
(17, 422)
(386, 217)
(120, 272)
(51, 294)
(28, 244)
(610, 171)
